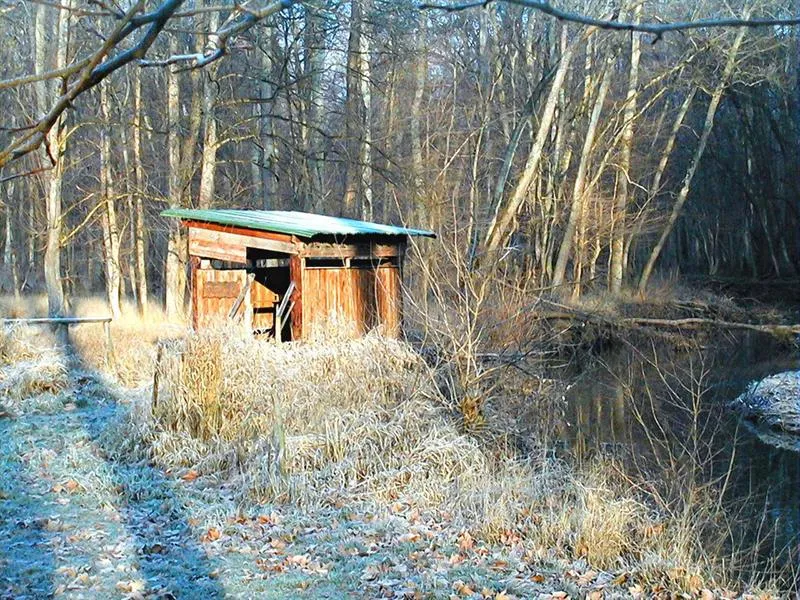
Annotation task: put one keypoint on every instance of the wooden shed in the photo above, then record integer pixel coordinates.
(290, 274)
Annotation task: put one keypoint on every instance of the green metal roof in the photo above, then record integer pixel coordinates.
(291, 222)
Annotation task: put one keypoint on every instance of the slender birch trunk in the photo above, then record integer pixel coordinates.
(500, 227)
(577, 209)
(109, 199)
(208, 161)
(140, 244)
(365, 154)
(174, 279)
(353, 112)
(56, 142)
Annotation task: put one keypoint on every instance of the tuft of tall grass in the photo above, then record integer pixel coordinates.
(33, 370)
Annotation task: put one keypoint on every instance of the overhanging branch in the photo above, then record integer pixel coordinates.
(656, 29)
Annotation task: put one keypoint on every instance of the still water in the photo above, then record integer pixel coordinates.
(662, 406)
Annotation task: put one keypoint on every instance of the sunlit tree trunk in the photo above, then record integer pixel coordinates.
(353, 110)
(175, 278)
(578, 207)
(500, 227)
(208, 161)
(619, 222)
(56, 143)
(108, 192)
(138, 224)
(365, 154)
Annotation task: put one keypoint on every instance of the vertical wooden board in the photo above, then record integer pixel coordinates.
(262, 299)
(216, 305)
(296, 275)
(389, 299)
(194, 266)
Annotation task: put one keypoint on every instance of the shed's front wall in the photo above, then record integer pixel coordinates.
(351, 285)
(354, 299)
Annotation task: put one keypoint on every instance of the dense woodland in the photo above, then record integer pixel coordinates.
(566, 156)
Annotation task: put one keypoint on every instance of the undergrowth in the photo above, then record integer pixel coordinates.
(362, 422)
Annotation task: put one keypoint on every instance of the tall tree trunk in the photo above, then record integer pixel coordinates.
(420, 77)
(577, 209)
(500, 227)
(175, 277)
(621, 205)
(353, 112)
(677, 208)
(208, 161)
(265, 152)
(140, 249)
(109, 198)
(365, 153)
(313, 68)
(9, 253)
(56, 142)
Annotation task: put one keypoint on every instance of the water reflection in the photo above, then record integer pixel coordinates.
(657, 403)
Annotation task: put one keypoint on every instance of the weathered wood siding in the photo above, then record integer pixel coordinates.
(214, 293)
(357, 298)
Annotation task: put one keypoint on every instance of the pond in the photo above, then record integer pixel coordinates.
(662, 406)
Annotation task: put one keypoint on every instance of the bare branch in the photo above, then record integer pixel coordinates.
(240, 21)
(657, 29)
(94, 69)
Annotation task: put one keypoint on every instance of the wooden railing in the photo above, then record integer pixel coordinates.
(66, 322)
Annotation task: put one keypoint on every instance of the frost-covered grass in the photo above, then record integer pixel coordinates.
(316, 470)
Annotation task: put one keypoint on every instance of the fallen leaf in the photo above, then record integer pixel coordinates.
(538, 578)
(408, 538)
(463, 589)
(212, 535)
(270, 519)
(465, 541)
(190, 476)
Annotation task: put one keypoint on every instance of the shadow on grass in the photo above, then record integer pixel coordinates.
(151, 536)
(26, 559)
(170, 558)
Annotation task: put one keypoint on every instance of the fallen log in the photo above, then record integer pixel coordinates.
(776, 329)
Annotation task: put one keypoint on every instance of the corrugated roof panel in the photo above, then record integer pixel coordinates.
(291, 222)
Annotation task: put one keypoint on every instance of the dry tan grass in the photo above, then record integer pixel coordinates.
(362, 421)
(33, 370)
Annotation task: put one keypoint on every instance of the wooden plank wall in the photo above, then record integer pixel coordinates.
(361, 298)
(214, 294)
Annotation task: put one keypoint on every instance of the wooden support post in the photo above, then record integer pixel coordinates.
(159, 354)
(194, 266)
(296, 268)
(111, 362)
